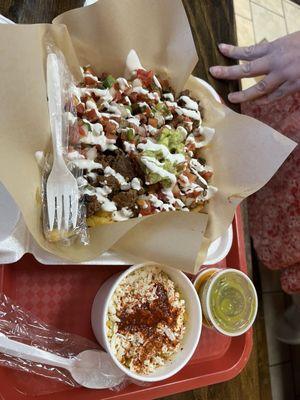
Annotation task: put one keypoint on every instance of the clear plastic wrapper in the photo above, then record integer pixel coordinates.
(21, 326)
(45, 159)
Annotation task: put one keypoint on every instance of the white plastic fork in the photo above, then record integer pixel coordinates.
(61, 189)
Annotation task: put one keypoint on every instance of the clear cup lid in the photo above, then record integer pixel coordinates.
(232, 302)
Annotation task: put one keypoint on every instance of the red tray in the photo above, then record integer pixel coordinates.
(62, 296)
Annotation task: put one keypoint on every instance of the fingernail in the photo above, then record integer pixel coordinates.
(216, 71)
(233, 97)
(223, 46)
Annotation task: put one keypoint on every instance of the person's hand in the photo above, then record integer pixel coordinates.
(279, 61)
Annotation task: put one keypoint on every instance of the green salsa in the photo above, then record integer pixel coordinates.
(232, 302)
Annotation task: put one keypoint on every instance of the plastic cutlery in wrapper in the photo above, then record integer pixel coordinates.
(62, 207)
(62, 189)
(86, 368)
(27, 344)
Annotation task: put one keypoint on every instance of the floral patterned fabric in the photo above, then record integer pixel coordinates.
(290, 279)
(274, 211)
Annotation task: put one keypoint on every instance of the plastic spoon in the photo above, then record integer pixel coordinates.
(93, 369)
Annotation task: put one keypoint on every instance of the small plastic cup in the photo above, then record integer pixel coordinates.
(228, 299)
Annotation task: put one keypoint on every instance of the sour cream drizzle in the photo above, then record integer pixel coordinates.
(97, 128)
(189, 103)
(156, 147)
(86, 164)
(136, 184)
(123, 84)
(101, 194)
(157, 168)
(101, 140)
(123, 215)
(120, 178)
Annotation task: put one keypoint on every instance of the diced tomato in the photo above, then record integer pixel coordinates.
(141, 202)
(110, 127)
(145, 207)
(111, 136)
(91, 115)
(89, 81)
(143, 98)
(145, 76)
(118, 96)
(117, 119)
(192, 178)
(110, 132)
(103, 120)
(147, 211)
(153, 122)
(82, 131)
(207, 175)
(194, 193)
(80, 109)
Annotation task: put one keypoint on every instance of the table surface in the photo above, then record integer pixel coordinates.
(212, 22)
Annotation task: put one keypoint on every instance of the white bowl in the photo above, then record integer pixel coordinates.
(193, 323)
(219, 248)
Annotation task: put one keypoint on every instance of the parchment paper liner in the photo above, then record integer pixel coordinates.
(244, 152)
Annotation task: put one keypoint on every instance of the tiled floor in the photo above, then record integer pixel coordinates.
(284, 360)
(274, 306)
(258, 20)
